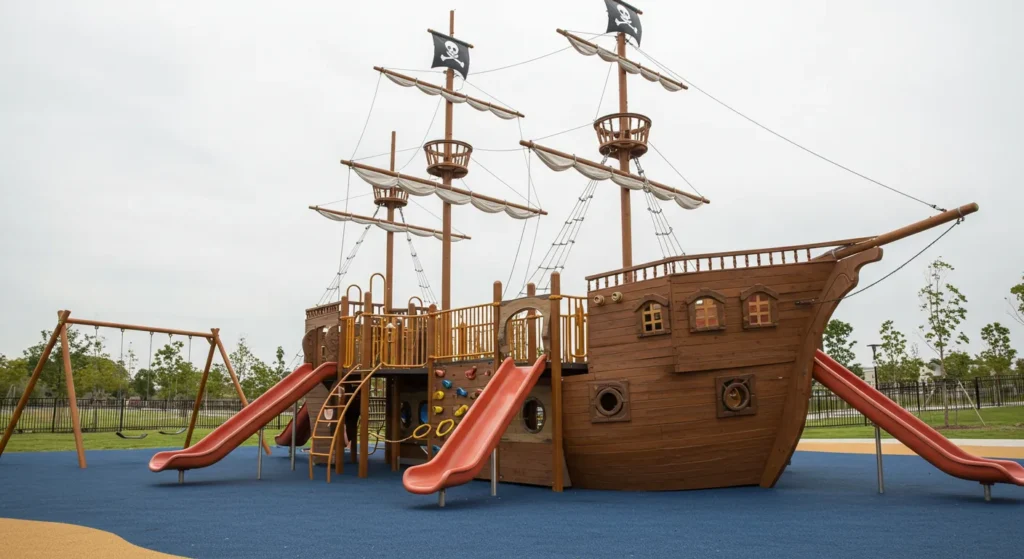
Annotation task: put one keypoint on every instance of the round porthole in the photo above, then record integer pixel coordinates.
(609, 401)
(405, 415)
(533, 415)
(736, 396)
(424, 415)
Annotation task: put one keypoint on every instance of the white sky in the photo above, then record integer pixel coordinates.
(158, 158)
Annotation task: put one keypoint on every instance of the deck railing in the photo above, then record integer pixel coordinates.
(573, 318)
(464, 334)
(688, 264)
(400, 340)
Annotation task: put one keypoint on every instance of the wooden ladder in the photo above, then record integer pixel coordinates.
(355, 380)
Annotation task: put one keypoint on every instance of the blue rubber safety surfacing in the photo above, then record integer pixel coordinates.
(825, 506)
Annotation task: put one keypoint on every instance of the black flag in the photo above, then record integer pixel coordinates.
(622, 17)
(450, 52)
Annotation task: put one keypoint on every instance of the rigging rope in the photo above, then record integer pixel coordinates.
(347, 263)
(784, 138)
(425, 134)
(667, 240)
(421, 276)
(529, 186)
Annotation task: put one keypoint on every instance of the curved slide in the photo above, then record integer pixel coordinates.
(301, 434)
(245, 423)
(470, 444)
(911, 431)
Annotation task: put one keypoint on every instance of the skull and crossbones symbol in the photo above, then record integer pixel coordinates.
(453, 53)
(626, 20)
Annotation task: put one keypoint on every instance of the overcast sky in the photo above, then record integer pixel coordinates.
(158, 158)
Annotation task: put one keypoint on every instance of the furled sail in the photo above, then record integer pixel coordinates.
(389, 226)
(415, 186)
(559, 161)
(587, 48)
(449, 95)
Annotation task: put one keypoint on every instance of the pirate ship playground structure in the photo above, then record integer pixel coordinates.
(692, 371)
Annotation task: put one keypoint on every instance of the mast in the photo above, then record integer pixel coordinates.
(446, 179)
(389, 266)
(624, 201)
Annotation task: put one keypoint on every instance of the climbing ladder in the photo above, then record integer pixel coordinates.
(334, 409)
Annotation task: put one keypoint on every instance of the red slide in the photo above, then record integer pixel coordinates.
(301, 436)
(245, 423)
(911, 431)
(471, 443)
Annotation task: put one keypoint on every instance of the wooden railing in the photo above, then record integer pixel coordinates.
(400, 340)
(349, 331)
(573, 318)
(464, 334)
(693, 263)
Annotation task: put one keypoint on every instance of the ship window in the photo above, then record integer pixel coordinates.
(759, 307)
(652, 316)
(533, 415)
(706, 311)
(609, 401)
(405, 414)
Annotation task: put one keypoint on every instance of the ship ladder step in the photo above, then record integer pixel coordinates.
(331, 413)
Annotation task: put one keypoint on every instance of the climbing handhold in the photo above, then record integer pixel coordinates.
(487, 373)
(461, 411)
(439, 395)
(439, 373)
(436, 449)
(438, 410)
(476, 393)
(446, 383)
(471, 374)
(461, 392)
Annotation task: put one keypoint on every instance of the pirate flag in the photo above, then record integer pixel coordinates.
(450, 52)
(623, 18)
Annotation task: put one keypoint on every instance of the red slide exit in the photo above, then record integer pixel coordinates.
(911, 431)
(245, 423)
(301, 424)
(470, 444)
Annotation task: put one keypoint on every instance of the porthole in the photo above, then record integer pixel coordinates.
(609, 401)
(736, 396)
(534, 415)
(405, 415)
(424, 415)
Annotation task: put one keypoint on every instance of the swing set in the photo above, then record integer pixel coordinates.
(61, 332)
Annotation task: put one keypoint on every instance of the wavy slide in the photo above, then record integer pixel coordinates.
(470, 444)
(911, 431)
(302, 430)
(245, 423)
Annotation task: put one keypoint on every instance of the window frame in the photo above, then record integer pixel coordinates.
(773, 306)
(666, 320)
(706, 293)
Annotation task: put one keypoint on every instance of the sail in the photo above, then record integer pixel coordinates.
(389, 226)
(415, 186)
(449, 95)
(586, 48)
(558, 161)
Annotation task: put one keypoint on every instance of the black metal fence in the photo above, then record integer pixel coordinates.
(53, 415)
(828, 410)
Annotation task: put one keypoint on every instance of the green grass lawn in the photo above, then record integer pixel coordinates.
(1000, 423)
(47, 442)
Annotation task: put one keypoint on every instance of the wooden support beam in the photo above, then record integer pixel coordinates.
(531, 326)
(62, 317)
(555, 355)
(76, 424)
(595, 164)
(903, 232)
(364, 393)
(101, 324)
(431, 344)
(498, 358)
(435, 184)
(199, 396)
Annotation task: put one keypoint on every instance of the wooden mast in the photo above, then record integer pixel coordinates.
(446, 215)
(389, 265)
(626, 215)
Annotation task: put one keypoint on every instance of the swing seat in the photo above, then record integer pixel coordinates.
(178, 432)
(131, 437)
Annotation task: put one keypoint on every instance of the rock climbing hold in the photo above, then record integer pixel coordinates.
(438, 410)
(471, 374)
(439, 395)
(476, 394)
(436, 449)
(461, 392)
(487, 373)
(446, 383)
(461, 411)
(439, 373)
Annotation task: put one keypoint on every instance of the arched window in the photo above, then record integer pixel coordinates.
(653, 316)
(706, 310)
(760, 307)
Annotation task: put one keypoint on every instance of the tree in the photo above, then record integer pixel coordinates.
(1017, 305)
(998, 356)
(80, 347)
(959, 365)
(895, 363)
(1019, 369)
(837, 345)
(945, 307)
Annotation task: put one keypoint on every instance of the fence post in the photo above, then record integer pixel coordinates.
(977, 394)
(53, 422)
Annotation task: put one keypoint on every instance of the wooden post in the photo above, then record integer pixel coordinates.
(62, 317)
(446, 179)
(72, 401)
(234, 377)
(531, 327)
(364, 394)
(199, 395)
(626, 212)
(555, 355)
(431, 334)
(344, 359)
(496, 319)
